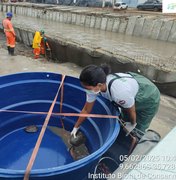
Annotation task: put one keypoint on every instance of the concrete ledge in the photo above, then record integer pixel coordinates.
(64, 50)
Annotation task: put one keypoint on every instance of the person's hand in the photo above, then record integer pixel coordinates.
(74, 131)
(129, 127)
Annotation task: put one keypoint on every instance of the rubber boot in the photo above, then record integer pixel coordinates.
(12, 51)
(8, 48)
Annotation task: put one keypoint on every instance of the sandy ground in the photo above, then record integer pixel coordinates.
(164, 121)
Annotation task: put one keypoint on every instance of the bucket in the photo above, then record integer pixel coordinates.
(34, 92)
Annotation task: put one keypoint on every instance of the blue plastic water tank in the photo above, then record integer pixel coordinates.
(35, 92)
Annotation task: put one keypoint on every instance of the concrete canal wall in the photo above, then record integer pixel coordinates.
(154, 27)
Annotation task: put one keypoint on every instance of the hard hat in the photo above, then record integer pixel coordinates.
(9, 14)
(42, 31)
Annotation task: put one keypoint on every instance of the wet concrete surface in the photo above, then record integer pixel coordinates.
(24, 62)
(160, 54)
(164, 121)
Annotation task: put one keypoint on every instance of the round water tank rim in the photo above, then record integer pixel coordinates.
(31, 72)
(64, 168)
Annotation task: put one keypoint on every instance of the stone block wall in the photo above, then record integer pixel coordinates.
(154, 27)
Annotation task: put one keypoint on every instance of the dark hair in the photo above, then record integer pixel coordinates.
(92, 75)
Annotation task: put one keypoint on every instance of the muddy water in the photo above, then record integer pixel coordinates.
(158, 53)
(78, 152)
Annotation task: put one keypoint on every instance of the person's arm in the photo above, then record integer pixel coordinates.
(129, 126)
(132, 114)
(86, 110)
(11, 29)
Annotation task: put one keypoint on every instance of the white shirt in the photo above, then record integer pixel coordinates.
(123, 90)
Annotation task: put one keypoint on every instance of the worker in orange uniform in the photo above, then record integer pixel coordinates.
(40, 44)
(10, 33)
